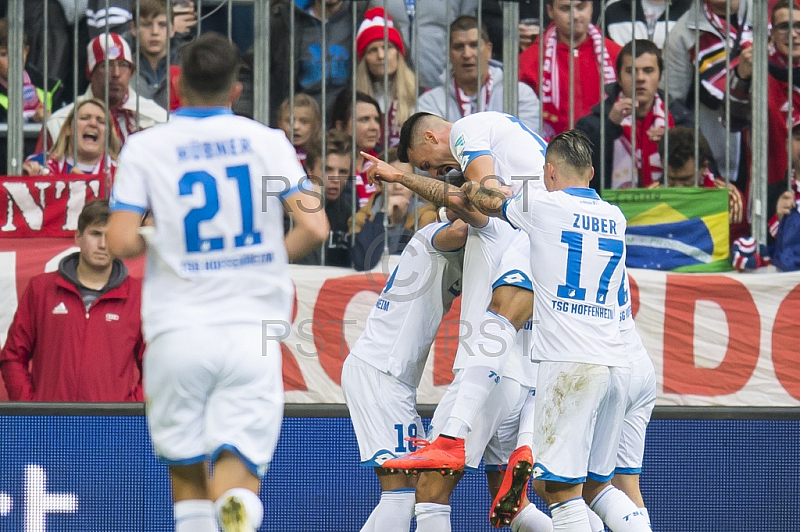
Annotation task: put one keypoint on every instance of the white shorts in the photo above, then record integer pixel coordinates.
(641, 400)
(494, 433)
(212, 389)
(579, 411)
(383, 411)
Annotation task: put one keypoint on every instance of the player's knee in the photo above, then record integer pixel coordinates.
(435, 487)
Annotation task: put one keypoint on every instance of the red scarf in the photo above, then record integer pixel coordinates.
(648, 160)
(30, 98)
(465, 102)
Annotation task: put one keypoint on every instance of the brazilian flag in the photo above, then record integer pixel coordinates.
(676, 229)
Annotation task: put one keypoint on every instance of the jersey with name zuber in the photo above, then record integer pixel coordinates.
(577, 252)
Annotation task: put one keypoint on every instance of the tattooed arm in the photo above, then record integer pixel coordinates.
(487, 200)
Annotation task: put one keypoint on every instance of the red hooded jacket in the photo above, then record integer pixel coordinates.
(56, 350)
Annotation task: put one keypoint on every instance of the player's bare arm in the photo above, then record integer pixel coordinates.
(310, 222)
(432, 190)
(452, 237)
(123, 238)
(487, 200)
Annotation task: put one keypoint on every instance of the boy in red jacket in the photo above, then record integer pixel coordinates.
(76, 335)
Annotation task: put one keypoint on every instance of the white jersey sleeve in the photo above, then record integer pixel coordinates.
(517, 150)
(402, 326)
(577, 259)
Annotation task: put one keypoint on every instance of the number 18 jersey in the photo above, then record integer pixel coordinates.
(214, 183)
(577, 253)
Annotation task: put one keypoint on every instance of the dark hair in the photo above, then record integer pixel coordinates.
(681, 147)
(209, 65)
(342, 106)
(466, 23)
(573, 147)
(407, 135)
(338, 143)
(4, 34)
(643, 46)
(93, 213)
(782, 4)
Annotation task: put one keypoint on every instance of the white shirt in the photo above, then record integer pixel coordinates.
(577, 260)
(403, 324)
(518, 152)
(217, 255)
(627, 327)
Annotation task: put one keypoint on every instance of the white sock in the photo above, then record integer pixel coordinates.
(194, 516)
(594, 521)
(570, 516)
(493, 341)
(432, 517)
(619, 512)
(526, 421)
(531, 519)
(393, 513)
(252, 504)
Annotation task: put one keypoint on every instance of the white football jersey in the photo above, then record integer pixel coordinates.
(403, 324)
(627, 327)
(577, 260)
(214, 183)
(518, 152)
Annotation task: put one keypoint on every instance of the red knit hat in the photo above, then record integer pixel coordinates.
(117, 49)
(371, 29)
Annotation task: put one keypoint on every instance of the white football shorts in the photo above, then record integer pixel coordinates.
(213, 389)
(383, 411)
(494, 433)
(641, 400)
(579, 412)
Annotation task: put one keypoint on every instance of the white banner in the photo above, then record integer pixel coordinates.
(715, 339)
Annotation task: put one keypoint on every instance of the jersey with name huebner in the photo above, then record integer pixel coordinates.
(577, 260)
(403, 324)
(518, 152)
(214, 183)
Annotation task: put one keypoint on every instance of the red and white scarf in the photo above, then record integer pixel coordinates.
(711, 55)
(550, 72)
(648, 161)
(469, 104)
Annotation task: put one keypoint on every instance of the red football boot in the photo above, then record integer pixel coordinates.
(444, 453)
(508, 502)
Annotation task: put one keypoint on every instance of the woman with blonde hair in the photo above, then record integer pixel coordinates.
(373, 60)
(91, 131)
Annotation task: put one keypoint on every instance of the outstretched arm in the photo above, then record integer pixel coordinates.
(487, 200)
(433, 190)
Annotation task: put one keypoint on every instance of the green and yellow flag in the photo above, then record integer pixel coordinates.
(676, 229)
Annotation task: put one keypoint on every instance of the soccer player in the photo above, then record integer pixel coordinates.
(381, 374)
(497, 150)
(577, 242)
(217, 291)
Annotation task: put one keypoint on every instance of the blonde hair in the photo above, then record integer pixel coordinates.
(303, 100)
(63, 145)
(402, 89)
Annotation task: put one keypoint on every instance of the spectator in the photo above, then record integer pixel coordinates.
(680, 168)
(402, 208)
(338, 200)
(785, 224)
(432, 19)
(463, 96)
(651, 20)
(715, 33)
(368, 134)
(33, 95)
(777, 89)
(91, 118)
(305, 132)
(593, 56)
(632, 96)
(402, 88)
(115, 19)
(308, 50)
(123, 101)
(150, 79)
(76, 335)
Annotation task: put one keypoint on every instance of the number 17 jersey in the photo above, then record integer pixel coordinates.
(577, 253)
(214, 183)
